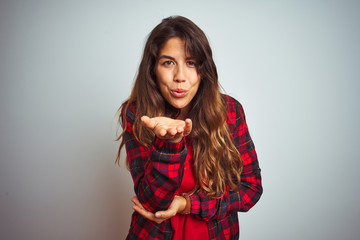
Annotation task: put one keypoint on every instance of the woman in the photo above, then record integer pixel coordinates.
(188, 147)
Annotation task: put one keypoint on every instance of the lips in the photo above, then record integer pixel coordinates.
(179, 93)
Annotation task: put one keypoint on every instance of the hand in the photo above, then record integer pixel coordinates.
(170, 129)
(177, 205)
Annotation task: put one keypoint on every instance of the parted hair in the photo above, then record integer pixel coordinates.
(217, 162)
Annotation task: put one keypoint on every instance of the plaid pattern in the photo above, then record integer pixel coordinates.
(157, 174)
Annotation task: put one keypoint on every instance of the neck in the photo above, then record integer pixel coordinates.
(183, 113)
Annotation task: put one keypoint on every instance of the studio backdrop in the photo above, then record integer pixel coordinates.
(67, 66)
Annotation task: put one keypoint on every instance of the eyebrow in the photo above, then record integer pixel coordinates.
(169, 57)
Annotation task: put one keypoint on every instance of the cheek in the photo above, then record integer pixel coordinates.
(162, 77)
(197, 82)
(163, 89)
(162, 84)
(197, 86)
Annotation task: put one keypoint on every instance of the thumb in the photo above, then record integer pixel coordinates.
(188, 127)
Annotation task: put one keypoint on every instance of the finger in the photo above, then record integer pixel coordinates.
(144, 213)
(160, 214)
(172, 132)
(178, 137)
(175, 132)
(165, 214)
(161, 132)
(180, 129)
(136, 201)
(149, 123)
(188, 126)
(174, 138)
(147, 214)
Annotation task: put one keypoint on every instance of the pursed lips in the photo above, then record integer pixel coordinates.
(179, 93)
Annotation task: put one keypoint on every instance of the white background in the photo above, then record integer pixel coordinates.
(66, 66)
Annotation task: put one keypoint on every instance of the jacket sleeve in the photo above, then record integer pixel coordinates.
(250, 186)
(156, 170)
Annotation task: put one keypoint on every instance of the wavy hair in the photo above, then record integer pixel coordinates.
(217, 161)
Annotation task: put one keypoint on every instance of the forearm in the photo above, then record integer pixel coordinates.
(249, 193)
(157, 173)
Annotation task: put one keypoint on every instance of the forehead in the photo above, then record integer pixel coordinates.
(174, 46)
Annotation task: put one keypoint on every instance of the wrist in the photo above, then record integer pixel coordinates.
(175, 140)
(165, 146)
(187, 207)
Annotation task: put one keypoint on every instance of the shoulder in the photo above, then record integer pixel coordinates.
(234, 108)
(128, 111)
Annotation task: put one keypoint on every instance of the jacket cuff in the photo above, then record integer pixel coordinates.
(165, 146)
(195, 204)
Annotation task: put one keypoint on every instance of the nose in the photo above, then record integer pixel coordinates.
(179, 75)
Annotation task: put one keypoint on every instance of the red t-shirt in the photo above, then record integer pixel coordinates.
(188, 226)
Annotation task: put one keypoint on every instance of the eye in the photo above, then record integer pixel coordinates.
(168, 63)
(191, 63)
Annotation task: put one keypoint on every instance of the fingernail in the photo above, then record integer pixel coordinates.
(158, 214)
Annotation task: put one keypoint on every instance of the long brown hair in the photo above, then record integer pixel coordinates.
(217, 161)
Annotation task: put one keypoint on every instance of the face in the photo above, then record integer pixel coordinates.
(177, 75)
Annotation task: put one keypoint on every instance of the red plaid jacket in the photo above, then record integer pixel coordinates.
(157, 174)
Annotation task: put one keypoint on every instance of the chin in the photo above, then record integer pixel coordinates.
(178, 106)
(178, 103)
